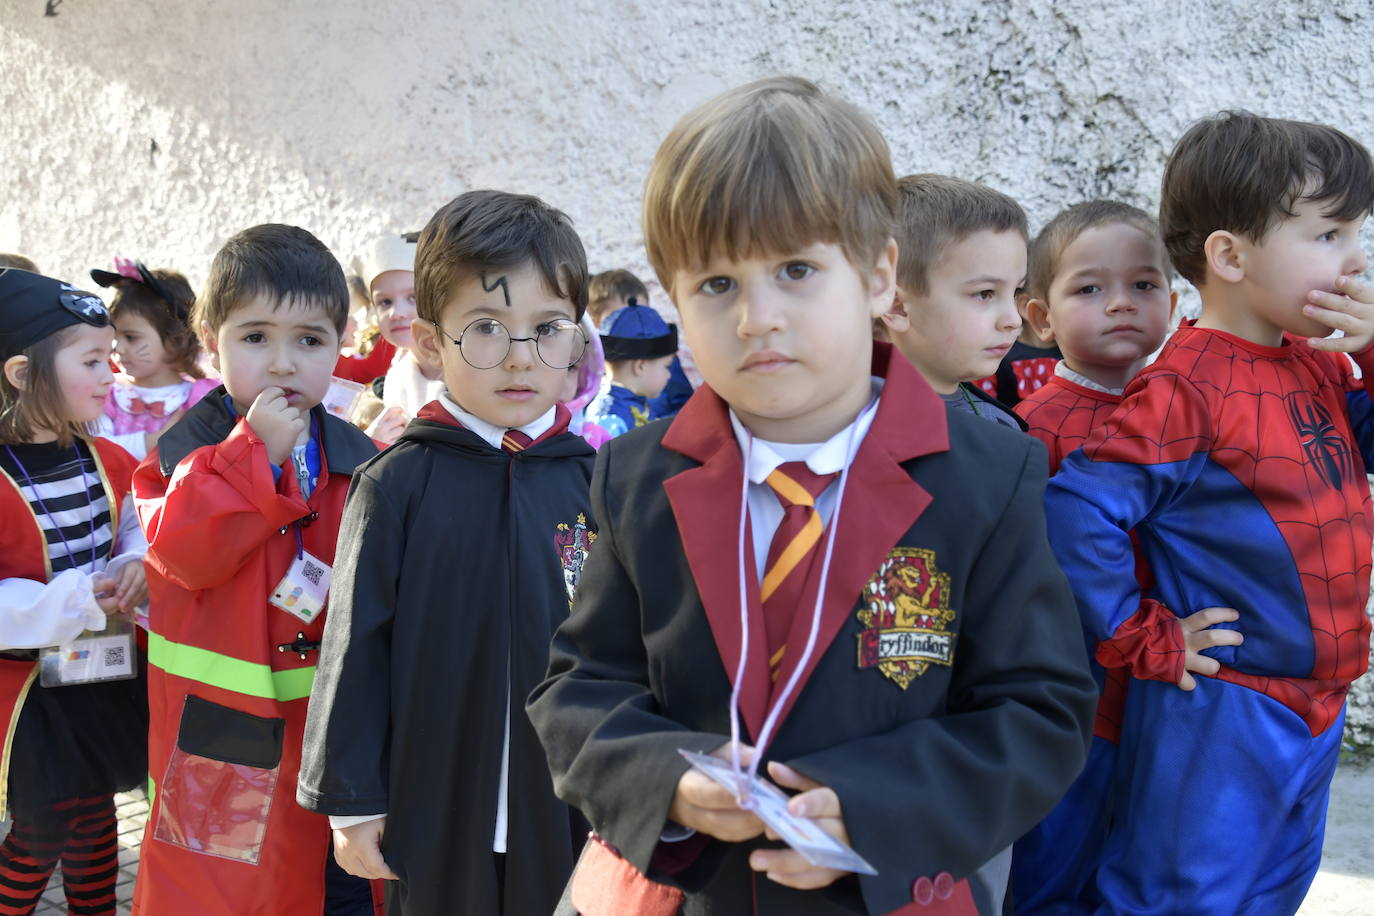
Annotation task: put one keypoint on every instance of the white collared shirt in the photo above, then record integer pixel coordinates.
(492, 435)
(489, 431)
(1062, 370)
(828, 457)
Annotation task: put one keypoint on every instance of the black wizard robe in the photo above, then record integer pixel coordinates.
(456, 564)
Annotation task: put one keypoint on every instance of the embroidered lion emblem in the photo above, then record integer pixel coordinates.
(906, 617)
(572, 543)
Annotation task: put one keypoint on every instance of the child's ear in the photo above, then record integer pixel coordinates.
(895, 318)
(1038, 317)
(211, 341)
(1225, 256)
(17, 371)
(427, 342)
(1173, 306)
(882, 281)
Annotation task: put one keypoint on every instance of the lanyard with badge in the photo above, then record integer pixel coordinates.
(304, 589)
(91, 657)
(752, 792)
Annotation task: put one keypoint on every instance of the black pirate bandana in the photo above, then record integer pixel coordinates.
(33, 307)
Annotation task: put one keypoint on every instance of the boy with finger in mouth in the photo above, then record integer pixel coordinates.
(1238, 457)
(241, 502)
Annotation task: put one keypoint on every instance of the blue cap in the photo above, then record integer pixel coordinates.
(637, 332)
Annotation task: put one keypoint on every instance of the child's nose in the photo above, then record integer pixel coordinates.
(759, 312)
(1008, 317)
(1121, 301)
(282, 363)
(1358, 264)
(522, 354)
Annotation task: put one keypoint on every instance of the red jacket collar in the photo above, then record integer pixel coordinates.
(881, 503)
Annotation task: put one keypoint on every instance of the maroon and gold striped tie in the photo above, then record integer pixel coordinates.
(515, 441)
(791, 552)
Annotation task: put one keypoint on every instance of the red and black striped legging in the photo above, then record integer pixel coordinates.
(81, 832)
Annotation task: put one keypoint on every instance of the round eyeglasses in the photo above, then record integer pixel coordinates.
(486, 342)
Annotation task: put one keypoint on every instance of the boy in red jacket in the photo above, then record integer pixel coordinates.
(241, 503)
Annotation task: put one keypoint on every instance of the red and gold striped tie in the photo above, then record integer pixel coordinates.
(791, 552)
(515, 441)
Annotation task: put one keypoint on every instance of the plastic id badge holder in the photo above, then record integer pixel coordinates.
(93, 657)
(304, 589)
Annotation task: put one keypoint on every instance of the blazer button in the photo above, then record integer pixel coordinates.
(944, 885)
(923, 891)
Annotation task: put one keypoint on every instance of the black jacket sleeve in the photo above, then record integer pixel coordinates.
(612, 754)
(1020, 692)
(347, 731)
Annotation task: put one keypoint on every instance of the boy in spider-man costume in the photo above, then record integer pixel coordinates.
(1098, 286)
(1238, 458)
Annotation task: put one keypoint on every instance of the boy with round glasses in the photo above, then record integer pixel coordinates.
(417, 745)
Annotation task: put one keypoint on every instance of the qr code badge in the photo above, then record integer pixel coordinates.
(312, 572)
(305, 587)
(115, 657)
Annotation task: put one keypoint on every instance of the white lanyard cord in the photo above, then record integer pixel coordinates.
(744, 782)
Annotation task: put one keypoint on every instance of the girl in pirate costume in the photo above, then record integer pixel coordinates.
(70, 554)
(157, 351)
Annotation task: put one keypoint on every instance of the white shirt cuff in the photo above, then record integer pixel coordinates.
(340, 821)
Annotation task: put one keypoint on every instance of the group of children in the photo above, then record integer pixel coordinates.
(1099, 668)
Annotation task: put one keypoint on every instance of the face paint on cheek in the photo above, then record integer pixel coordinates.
(500, 283)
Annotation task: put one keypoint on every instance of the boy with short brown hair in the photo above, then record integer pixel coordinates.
(1099, 286)
(1238, 457)
(241, 501)
(962, 262)
(462, 545)
(901, 697)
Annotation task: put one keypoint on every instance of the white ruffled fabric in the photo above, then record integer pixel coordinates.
(34, 615)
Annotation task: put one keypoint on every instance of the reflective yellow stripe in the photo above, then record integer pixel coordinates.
(228, 673)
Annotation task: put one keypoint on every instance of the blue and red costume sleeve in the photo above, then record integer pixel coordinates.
(1151, 450)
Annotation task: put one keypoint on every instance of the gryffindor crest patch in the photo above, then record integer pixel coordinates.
(906, 617)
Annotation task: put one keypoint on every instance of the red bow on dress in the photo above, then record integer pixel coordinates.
(156, 409)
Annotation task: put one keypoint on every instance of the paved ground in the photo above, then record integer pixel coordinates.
(1344, 887)
(1345, 884)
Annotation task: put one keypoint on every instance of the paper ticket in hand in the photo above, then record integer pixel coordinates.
(801, 833)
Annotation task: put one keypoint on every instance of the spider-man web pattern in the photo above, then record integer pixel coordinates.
(1063, 414)
(1237, 465)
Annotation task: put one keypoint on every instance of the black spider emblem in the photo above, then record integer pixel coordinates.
(1327, 451)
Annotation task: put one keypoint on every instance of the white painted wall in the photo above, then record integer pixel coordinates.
(156, 128)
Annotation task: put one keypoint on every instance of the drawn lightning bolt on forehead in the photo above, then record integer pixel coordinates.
(498, 283)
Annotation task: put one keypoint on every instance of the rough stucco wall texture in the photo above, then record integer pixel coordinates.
(155, 129)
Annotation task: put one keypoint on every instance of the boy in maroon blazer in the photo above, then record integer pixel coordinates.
(918, 681)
